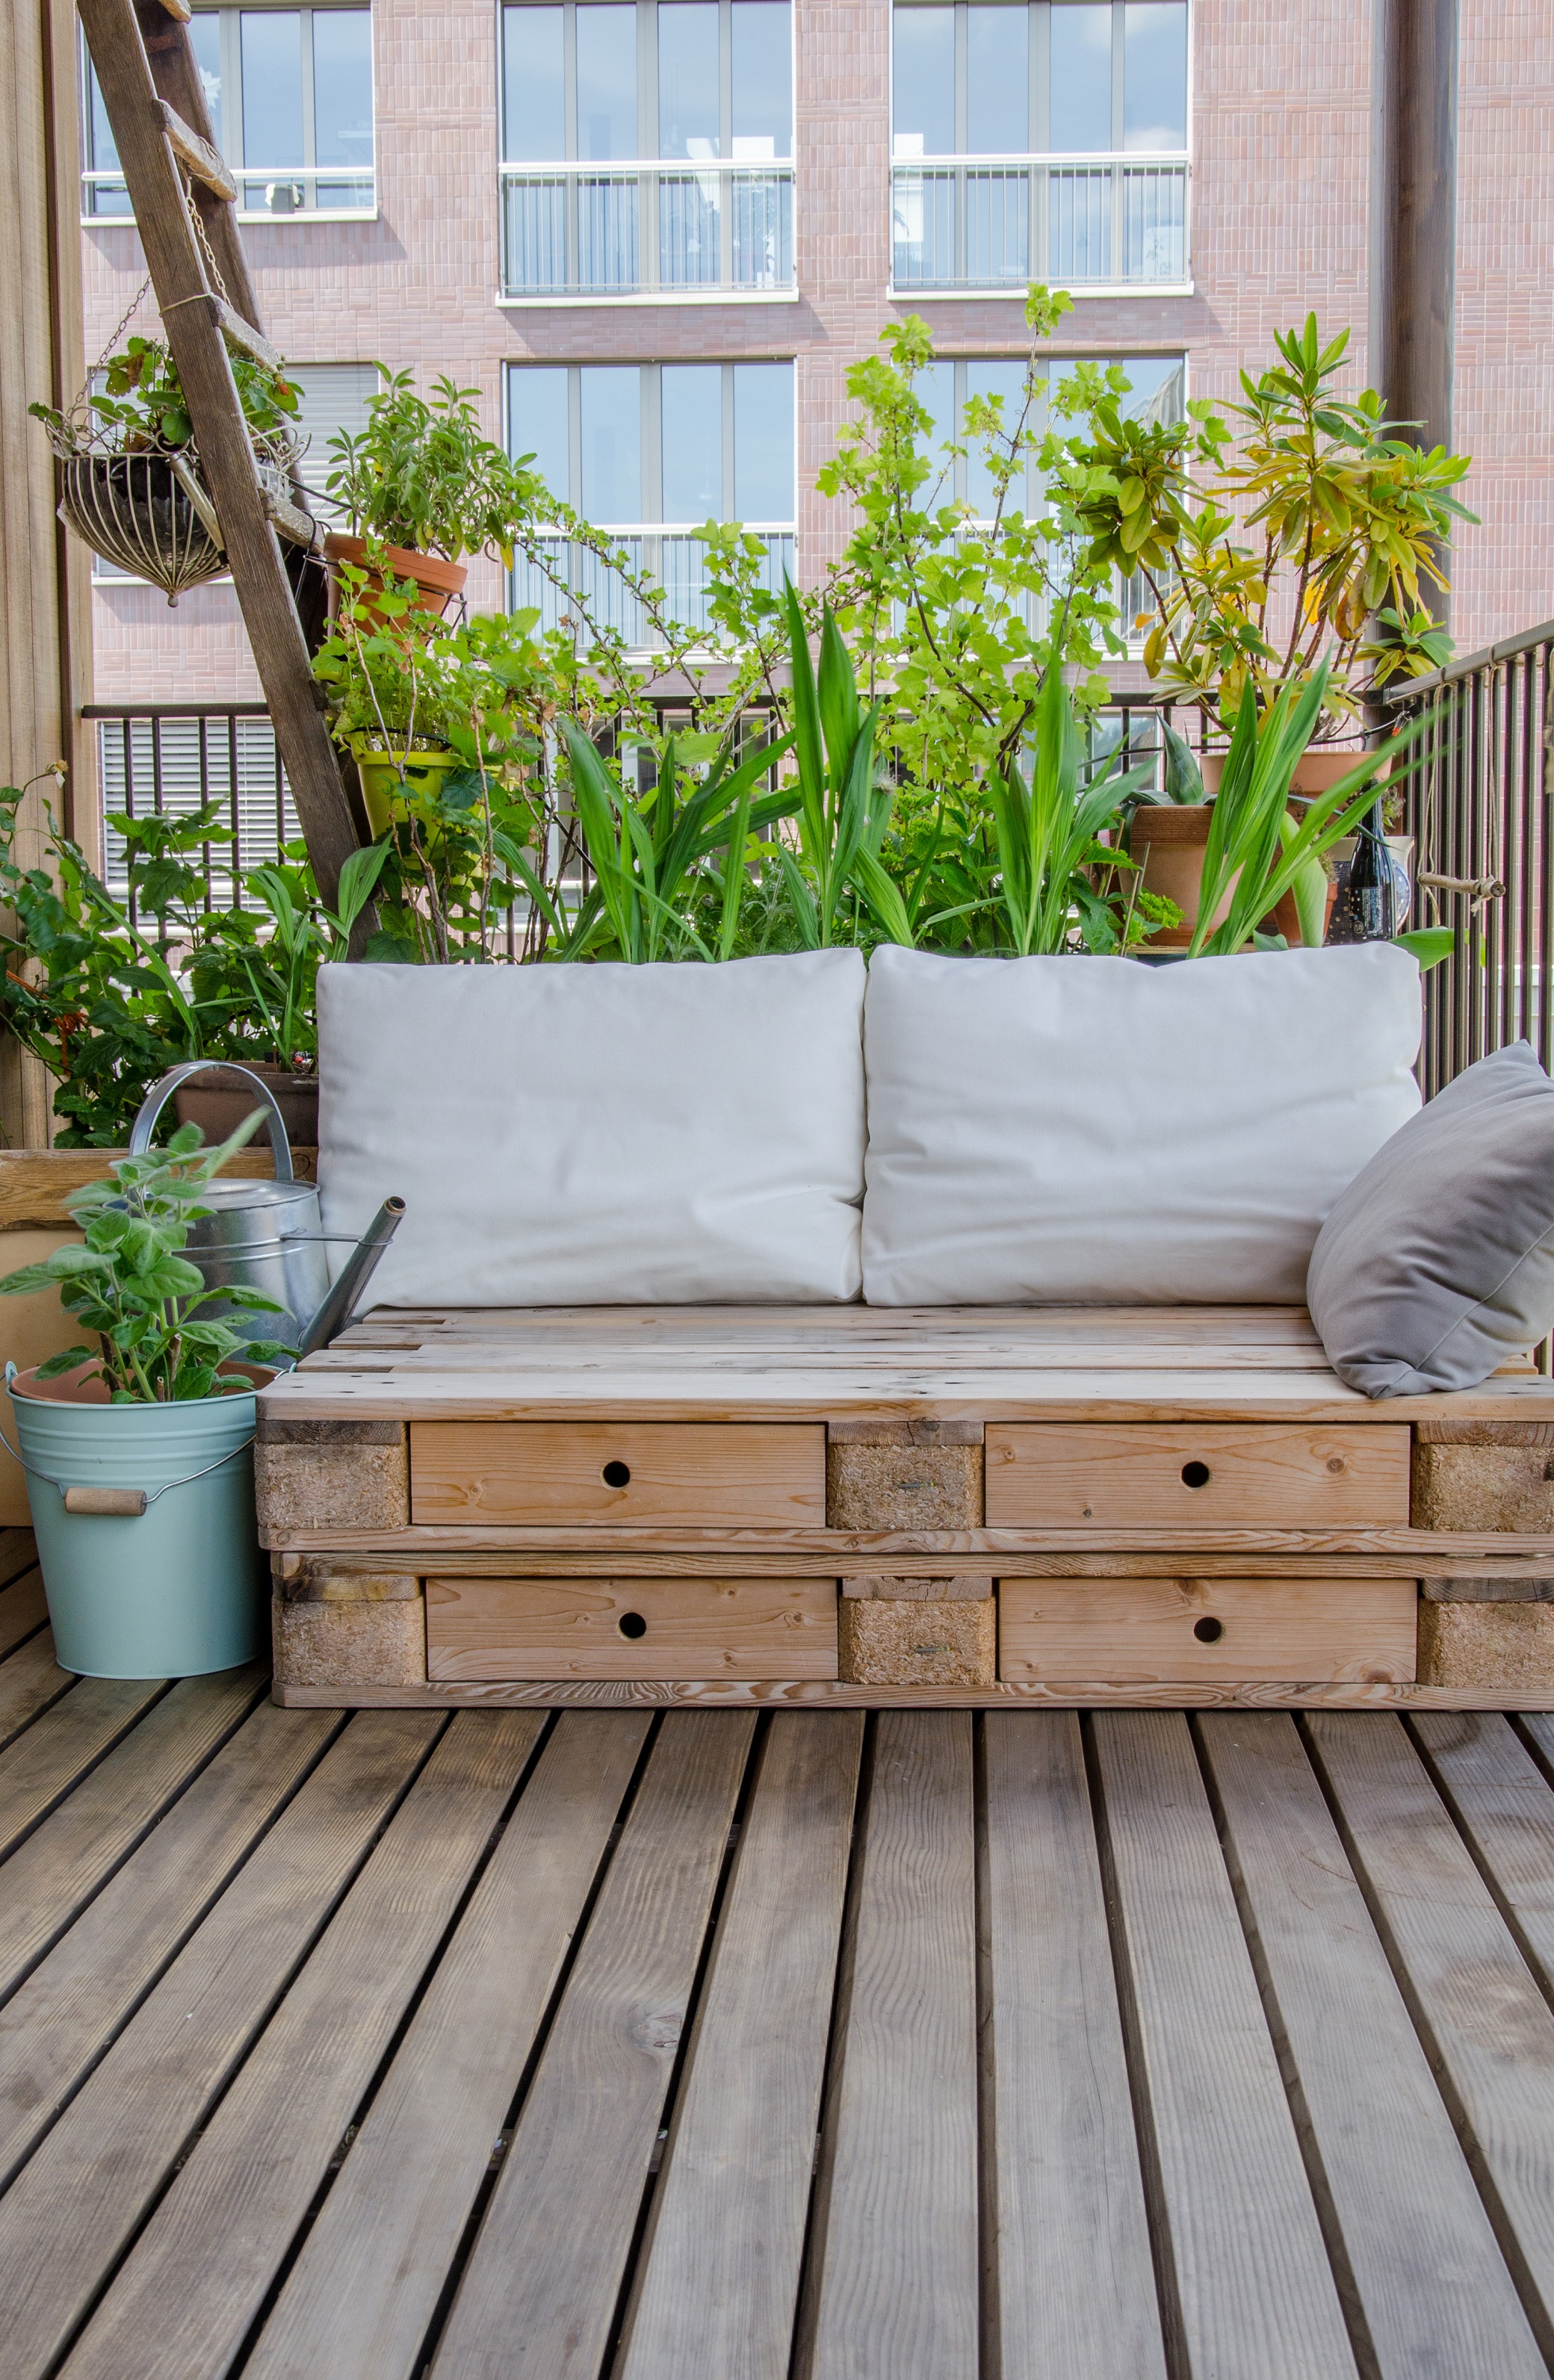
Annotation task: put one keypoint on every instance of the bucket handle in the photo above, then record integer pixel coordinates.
(161, 1092)
(122, 1503)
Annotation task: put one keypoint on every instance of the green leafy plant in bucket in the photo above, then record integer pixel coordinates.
(133, 1288)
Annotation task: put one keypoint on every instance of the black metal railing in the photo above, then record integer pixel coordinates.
(171, 757)
(1476, 793)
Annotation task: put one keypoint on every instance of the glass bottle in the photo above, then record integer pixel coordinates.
(1365, 908)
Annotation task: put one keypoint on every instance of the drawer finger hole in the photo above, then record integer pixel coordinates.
(1209, 1631)
(617, 1474)
(632, 1625)
(1196, 1474)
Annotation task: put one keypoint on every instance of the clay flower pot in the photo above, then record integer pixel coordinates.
(1171, 839)
(436, 582)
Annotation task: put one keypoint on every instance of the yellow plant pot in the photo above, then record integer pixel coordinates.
(382, 770)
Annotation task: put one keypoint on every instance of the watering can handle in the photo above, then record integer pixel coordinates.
(161, 1092)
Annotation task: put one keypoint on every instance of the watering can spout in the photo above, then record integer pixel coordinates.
(359, 1266)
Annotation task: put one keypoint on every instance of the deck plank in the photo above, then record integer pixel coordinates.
(898, 2291)
(1075, 2273)
(723, 2262)
(62, 1745)
(1436, 2298)
(73, 2207)
(58, 2022)
(1506, 1809)
(18, 1552)
(1488, 2028)
(30, 1682)
(1255, 2292)
(539, 2292)
(179, 2308)
(65, 1860)
(393, 2218)
(23, 1610)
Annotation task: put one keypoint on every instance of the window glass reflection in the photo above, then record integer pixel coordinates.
(687, 34)
(997, 80)
(924, 110)
(1081, 76)
(1155, 74)
(534, 96)
(763, 442)
(611, 439)
(691, 402)
(606, 79)
(272, 55)
(762, 74)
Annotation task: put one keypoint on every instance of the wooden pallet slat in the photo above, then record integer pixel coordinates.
(897, 2295)
(589, 2122)
(1252, 2279)
(56, 2024)
(394, 2217)
(70, 2212)
(181, 2304)
(1076, 2278)
(1432, 2286)
(721, 2279)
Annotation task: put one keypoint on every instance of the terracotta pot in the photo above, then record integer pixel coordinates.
(1171, 838)
(1314, 771)
(218, 1103)
(436, 582)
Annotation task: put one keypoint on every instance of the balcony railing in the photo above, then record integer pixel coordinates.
(674, 557)
(998, 223)
(263, 190)
(651, 230)
(173, 756)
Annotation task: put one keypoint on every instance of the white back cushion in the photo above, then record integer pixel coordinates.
(594, 1136)
(1092, 1131)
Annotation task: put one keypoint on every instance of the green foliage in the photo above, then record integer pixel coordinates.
(107, 1006)
(423, 476)
(134, 1290)
(1256, 851)
(1351, 521)
(1051, 863)
(842, 810)
(142, 404)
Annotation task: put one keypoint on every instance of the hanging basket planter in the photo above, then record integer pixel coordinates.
(148, 511)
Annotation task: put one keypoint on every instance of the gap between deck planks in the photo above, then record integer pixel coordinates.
(784, 2048)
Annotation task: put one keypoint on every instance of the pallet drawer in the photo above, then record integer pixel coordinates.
(1241, 1475)
(1207, 1631)
(630, 1628)
(681, 1475)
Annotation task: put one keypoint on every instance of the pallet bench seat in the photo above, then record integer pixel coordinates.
(846, 1505)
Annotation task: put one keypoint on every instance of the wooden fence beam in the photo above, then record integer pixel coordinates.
(178, 277)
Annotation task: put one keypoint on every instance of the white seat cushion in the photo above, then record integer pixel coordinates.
(594, 1136)
(1096, 1132)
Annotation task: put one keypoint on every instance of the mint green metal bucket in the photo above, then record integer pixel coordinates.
(175, 1592)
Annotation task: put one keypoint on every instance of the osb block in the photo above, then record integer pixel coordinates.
(903, 1486)
(349, 1644)
(894, 1587)
(1506, 1645)
(330, 1475)
(301, 1579)
(917, 1643)
(1484, 1487)
(1430, 1432)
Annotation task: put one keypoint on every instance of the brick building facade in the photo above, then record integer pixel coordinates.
(1276, 136)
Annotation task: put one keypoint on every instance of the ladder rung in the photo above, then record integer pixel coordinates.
(243, 334)
(203, 162)
(179, 8)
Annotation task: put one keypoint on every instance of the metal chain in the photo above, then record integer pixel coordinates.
(197, 221)
(114, 337)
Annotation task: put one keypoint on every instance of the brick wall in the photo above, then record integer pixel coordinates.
(1281, 125)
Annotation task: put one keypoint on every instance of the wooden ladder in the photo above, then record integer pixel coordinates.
(155, 105)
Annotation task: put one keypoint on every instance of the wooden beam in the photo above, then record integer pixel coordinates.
(1414, 218)
(172, 258)
(203, 161)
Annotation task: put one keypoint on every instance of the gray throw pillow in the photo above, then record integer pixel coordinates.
(1437, 1264)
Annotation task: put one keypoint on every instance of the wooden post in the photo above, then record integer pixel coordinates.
(45, 640)
(1414, 218)
(192, 314)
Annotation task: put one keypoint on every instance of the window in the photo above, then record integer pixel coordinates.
(1094, 90)
(646, 146)
(290, 96)
(649, 451)
(1158, 394)
(331, 397)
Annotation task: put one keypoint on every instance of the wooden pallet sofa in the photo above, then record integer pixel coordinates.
(517, 1482)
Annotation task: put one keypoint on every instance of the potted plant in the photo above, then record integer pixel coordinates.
(130, 484)
(139, 1473)
(422, 488)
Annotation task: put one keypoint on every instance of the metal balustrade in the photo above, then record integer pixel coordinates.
(675, 558)
(173, 756)
(582, 230)
(998, 223)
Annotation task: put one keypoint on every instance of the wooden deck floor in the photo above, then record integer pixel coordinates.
(913, 2045)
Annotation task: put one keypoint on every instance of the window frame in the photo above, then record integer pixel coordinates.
(231, 143)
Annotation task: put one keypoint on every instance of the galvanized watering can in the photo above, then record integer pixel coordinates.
(269, 1235)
